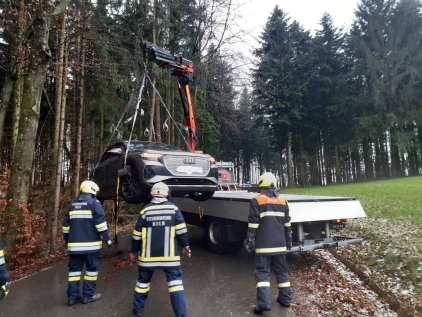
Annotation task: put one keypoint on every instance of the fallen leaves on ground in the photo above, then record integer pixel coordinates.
(323, 286)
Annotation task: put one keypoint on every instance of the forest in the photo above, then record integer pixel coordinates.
(315, 108)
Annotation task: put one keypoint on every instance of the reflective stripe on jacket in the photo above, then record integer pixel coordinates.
(268, 219)
(2, 261)
(159, 229)
(83, 225)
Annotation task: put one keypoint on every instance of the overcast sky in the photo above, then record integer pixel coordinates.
(307, 12)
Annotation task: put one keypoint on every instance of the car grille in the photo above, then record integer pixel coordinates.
(187, 165)
(188, 181)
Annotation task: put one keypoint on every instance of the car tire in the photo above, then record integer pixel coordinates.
(130, 187)
(201, 196)
(217, 239)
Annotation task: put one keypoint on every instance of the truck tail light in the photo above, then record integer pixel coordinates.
(340, 220)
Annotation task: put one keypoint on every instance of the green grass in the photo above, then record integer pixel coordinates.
(392, 232)
(391, 199)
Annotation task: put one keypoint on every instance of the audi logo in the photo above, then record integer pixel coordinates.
(189, 160)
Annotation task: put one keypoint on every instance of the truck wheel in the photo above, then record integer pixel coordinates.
(201, 196)
(216, 237)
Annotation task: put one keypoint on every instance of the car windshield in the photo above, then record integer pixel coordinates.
(144, 145)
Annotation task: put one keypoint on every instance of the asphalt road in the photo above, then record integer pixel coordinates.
(215, 286)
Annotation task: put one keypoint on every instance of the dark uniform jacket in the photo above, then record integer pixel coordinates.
(4, 275)
(269, 219)
(84, 224)
(159, 229)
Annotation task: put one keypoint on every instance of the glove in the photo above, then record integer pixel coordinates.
(109, 243)
(187, 250)
(289, 239)
(4, 290)
(133, 256)
(250, 243)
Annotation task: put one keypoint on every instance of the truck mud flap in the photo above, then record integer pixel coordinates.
(334, 242)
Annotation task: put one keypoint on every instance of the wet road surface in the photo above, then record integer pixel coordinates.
(215, 286)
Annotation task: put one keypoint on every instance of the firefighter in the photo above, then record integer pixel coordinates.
(84, 229)
(4, 275)
(159, 229)
(269, 237)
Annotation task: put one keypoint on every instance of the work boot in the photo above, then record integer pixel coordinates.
(135, 313)
(259, 310)
(92, 299)
(283, 303)
(73, 302)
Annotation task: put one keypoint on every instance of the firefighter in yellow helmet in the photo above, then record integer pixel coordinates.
(269, 237)
(158, 232)
(84, 229)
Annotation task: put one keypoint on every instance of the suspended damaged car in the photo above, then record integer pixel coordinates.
(131, 170)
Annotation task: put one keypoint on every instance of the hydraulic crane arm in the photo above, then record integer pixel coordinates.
(182, 69)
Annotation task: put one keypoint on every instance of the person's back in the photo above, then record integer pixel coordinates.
(84, 228)
(158, 231)
(269, 237)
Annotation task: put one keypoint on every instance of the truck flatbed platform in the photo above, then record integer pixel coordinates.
(225, 219)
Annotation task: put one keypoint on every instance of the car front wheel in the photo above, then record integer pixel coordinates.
(201, 196)
(130, 186)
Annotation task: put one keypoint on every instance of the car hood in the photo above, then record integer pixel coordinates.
(175, 153)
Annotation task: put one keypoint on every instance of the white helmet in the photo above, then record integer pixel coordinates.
(160, 189)
(89, 187)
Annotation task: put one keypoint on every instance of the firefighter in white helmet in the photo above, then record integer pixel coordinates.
(159, 230)
(269, 237)
(84, 229)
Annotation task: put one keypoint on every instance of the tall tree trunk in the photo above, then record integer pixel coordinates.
(18, 85)
(80, 105)
(22, 159)
(338, 167)
(79, 117)
(168, 103)
(395, 156)
(172, 128)
(5, 95)
(289, 159)
(367, 158)
(58, 136)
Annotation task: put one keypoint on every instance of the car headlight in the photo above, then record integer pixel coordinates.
(150, 156)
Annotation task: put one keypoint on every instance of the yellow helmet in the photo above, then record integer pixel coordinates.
(160, 189)
(89, 187)
(267, 180)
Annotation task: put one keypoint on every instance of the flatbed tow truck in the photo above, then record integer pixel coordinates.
(225, 220)
(225, 215)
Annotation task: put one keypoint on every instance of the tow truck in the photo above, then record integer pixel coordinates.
(225, 216)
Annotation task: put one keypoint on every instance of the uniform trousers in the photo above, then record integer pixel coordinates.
(278, 263)
(175, 288)
(76, 264)
(4, 275)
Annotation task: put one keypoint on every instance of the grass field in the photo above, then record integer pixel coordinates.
(391, 253)
(393, 199)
